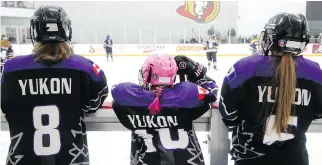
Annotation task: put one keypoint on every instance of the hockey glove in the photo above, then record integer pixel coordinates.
(193, 70)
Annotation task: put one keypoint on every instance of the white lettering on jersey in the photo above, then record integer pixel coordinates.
(46, 86)
(162, 121)
(302, 96)
(168, 143)
(140, 124)
(139, 121)
(149, 120)
(50, 129)
(165, 138)
(199, 70)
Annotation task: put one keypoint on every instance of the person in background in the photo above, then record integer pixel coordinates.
(270, 101)
(45, 95)
(91, 49)
(108, 45)
(193, 40)
(160, 113)
(181, 41)
(211, 47)
(6, 51)
(253, 45)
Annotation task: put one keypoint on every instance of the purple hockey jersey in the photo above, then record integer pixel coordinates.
(167, 138)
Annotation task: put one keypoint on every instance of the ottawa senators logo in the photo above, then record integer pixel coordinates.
(200, 11)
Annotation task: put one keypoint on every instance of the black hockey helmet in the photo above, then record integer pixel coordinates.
(285, 32)
(50, 24)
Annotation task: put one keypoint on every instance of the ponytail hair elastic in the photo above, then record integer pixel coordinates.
(154, 107)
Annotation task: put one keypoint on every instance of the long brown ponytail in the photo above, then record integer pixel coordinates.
(286, 76)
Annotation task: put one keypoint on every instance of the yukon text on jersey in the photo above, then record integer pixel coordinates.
(45, 86)
(302, 96)
(139, 121)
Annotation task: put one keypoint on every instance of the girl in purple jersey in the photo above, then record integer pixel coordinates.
(270, 101)
(160, 113)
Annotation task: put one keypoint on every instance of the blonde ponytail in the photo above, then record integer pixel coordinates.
(286, 76)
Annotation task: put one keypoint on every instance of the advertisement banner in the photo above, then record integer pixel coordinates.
(172, 49)
(188, 49)
(316, 48)
(147, 48)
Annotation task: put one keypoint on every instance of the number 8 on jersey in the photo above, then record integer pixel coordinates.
(51, 130)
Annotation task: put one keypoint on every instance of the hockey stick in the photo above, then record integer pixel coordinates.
(198, 37)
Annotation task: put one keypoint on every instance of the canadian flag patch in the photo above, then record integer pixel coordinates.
(202, 92)
(96, 69)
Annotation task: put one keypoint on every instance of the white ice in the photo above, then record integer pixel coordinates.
(113, 148)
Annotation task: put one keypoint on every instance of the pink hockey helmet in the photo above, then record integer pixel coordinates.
(158, 69)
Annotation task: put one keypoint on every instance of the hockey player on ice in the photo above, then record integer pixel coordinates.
(6, 51)
(108, 46)
(211, 47)
(160, 113)
(253, 46)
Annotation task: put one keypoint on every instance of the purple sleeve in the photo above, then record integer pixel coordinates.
(182, 95)
(231, 88)
(130, 94)
(212, 88)
(98, 89)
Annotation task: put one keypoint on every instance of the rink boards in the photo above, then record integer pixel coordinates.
(106, 120)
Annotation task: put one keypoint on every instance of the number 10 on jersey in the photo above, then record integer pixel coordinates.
(49, 129)
(165, 139)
